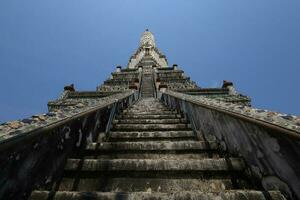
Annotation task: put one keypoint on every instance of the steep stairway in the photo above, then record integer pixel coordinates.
(152, 153)
(147, 89)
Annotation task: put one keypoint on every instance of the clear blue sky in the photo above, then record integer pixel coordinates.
(45, 45)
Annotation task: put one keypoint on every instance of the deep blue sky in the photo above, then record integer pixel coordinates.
(45, 45)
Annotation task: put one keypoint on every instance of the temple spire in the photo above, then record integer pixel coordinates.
(147, 39)
(147, 50)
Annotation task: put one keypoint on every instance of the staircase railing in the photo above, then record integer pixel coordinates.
(141, 84)
(268, 141)
(40, 148)
(154, 83)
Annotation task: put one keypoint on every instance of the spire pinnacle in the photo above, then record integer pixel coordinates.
(147, 39)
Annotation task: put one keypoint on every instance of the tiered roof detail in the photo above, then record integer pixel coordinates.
(146, 50)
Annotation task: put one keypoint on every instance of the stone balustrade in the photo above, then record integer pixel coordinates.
(268, 141)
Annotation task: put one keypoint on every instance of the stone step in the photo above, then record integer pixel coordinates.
(150, 112)
(121, 184)
(150, 121)
(151, 155)
(148, 105)
(152, 135)
(182, 195)
(153, 105)
(158, 165)
(158, 146)
(149, 116)
(128, 127)
(146, 109)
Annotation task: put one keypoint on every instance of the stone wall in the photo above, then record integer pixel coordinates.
(33, 154)
(272, 154)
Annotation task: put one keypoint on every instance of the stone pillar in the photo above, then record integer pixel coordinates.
(175, 67)
(69, 88)
(118, 68)
(162, 88)
(140, 68)
(230, 87)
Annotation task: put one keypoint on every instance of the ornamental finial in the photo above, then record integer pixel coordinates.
(147, 39)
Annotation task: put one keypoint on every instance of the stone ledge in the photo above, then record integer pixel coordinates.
(9, 130)
(289, 122)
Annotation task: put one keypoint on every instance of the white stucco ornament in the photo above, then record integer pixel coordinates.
(147, 39)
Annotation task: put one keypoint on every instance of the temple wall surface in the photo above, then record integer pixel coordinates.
(35, 154)
(272, 157)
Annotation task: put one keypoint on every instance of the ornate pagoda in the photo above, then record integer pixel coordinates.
(150, 132)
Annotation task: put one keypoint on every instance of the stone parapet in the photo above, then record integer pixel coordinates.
(70, 109)
(268, 141)
(288, 122)
(34, 150)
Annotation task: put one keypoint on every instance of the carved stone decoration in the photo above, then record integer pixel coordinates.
(147, 40)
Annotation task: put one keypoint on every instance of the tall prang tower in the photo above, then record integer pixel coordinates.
(150, 132)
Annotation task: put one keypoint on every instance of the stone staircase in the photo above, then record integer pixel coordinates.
(152, 153)
(147, 89)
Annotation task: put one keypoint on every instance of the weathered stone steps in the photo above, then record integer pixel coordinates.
(154, 108)
(143, 127)
(149, 116)
(152, 135)
(167, 185)
(150, 121)
(153, 150)
(173, 155)
(155, 104)
(147, 89)
(159, 146)
(150, 112)
(184, 195)
(204, 165)
(119, 184)
(152, 153)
